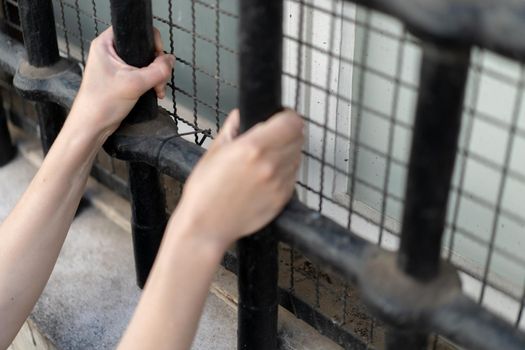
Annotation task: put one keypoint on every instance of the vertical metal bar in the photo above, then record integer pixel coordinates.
(260, 97)
(133, 28)
(396, 339)
(434, 144)
(40, 39)
(7, 150)
(50, 119)
(432, 158)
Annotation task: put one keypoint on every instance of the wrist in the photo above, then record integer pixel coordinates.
(185, 226)
(92, 116)
(80, 136)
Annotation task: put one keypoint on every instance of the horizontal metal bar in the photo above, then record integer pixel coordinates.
(11, 52)
(495, 25)
(320, 239)
(468, 324)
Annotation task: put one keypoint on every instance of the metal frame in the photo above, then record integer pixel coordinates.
(414, 291)
(42, 51)
(260, 61)
(133, 29)
(7, 149)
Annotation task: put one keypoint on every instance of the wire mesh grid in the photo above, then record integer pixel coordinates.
(353, 74)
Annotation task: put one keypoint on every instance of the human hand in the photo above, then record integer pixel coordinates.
(110, 87)
(243, 182)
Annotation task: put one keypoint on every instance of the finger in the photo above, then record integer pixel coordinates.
(286, 188)
(290, 155)
(104, 40)
(159, 45)
(229, 129)
(158, 72)
(107, 35)
(160, 90)
(281, 129)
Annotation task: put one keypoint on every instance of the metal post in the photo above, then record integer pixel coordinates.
(7, 150)
(260, 97)
(133, 28)
(433, 153)
(40, 39)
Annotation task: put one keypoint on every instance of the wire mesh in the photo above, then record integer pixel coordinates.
(374, 123)
(353, 75)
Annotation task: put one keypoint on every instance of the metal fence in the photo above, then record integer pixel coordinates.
(387, 215)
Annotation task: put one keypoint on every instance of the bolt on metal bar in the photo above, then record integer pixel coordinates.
(260, 97)
(40, 39)
(133, 30)
(437, 124)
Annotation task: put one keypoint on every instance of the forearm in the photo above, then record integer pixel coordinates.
(169, 309)
(33, 233)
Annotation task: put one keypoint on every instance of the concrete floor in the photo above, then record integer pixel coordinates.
(92, 293)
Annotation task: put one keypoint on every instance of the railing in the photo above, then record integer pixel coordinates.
(414, 291)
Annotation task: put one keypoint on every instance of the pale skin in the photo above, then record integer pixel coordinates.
(245, 179)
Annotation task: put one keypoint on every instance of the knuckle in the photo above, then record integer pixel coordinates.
(252, 152)
(165, 71)
(267, 171)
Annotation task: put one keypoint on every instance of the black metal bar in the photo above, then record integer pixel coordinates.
(133, 28)
(260, 97)
(40, 39)
(7, 149)
(433, 153)
(467, 324)
(461, 23)
(434, 146)
(50, 118)
(396, 339)
(11, 51)
(320, 239)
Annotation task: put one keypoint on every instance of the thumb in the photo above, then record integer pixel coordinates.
(156, 73)
(229, 130)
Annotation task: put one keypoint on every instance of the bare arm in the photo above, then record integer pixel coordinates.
(32, 235)
(238, 187)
